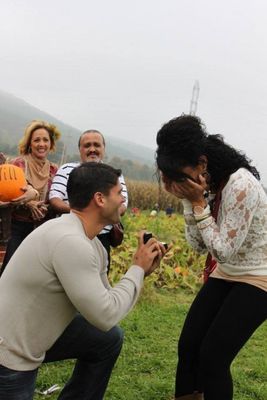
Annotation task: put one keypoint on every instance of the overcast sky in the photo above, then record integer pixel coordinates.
(126, 67)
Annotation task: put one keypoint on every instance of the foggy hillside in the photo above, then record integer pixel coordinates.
(16, 113)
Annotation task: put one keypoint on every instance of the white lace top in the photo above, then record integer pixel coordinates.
(238, 241)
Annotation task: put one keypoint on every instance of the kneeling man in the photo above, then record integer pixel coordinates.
(55, 299)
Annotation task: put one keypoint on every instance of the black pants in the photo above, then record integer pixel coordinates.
(221, 319)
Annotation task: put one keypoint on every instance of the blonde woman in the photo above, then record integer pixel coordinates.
(38, 141)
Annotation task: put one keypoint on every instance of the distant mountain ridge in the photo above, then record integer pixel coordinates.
(16, 113)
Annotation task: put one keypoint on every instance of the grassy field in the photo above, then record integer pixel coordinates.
(147, 364)
(146, 367)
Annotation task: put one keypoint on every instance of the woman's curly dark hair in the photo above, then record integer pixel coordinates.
(183, 140)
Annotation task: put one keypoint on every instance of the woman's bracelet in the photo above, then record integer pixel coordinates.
(200, 212)
(205, 223)
(199, 219)
(204, 226)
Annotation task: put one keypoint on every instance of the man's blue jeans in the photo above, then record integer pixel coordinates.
(96, 353)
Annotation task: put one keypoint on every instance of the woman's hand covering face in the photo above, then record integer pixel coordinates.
(188, 189)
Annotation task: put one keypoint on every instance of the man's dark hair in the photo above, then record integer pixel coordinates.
(91, 131)
(88, 179)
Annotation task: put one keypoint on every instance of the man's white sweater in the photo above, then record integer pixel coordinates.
(55, 272)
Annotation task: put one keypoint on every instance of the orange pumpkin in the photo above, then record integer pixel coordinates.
(12, 179)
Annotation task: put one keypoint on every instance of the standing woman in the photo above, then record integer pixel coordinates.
(39, 139)
(232, 303)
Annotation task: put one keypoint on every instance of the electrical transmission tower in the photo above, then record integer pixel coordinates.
(194, 99)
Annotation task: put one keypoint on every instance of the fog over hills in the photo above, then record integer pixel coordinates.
(16, 113)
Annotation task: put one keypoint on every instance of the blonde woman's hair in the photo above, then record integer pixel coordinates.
(25, 142)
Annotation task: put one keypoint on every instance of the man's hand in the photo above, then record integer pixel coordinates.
(59, 205)
(149, 255)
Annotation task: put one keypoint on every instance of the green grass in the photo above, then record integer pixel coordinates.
(146, 367)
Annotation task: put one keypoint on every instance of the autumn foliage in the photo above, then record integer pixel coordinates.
(145, 195)
(181, 267)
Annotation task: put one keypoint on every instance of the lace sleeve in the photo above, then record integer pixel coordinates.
(192, 232)
(240, 199)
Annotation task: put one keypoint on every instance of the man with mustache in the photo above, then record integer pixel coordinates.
(92, 148)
